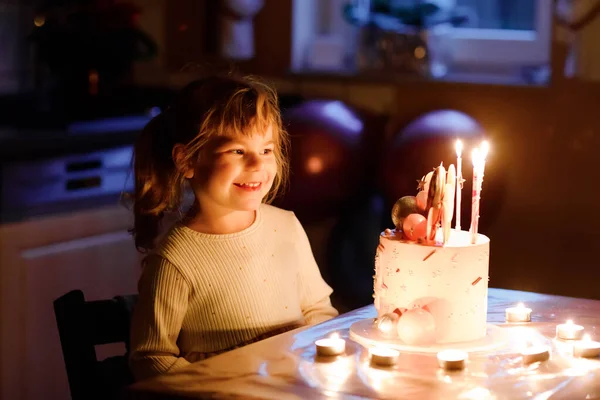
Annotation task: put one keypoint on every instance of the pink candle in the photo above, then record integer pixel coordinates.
(479, 157)
(459, 181)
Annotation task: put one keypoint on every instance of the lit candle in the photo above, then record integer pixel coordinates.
(475, 194)
(384, 356)
(331, 346)
(452, 359)
(479, 157)
(569, 331)
(535, 354)
(520, 313)
(586, 348)
(459, 181)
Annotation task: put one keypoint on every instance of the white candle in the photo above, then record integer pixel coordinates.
(479, 157)
(459, 181)
(520, 313)
(452, 359)
(384, 356)
(586, 348)
(475, 194)
(331, 346)
(535, 354)
(569, 331)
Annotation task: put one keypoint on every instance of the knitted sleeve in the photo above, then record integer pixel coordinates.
(157, 319)
(314, 291)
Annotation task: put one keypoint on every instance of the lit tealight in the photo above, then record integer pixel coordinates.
(586, 348)
(384, 356)
(535, 354)
(331, 346)
(520, 313)
(569, 331)
(452, 359)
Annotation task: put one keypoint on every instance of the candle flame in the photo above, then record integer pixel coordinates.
(570, 322)
(335, 335)
(458, 146)
(520, 305)
(587, 337)
(485, 148)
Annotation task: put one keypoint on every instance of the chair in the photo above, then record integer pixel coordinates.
(84, 324)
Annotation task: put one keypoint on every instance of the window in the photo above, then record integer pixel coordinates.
(498, 34)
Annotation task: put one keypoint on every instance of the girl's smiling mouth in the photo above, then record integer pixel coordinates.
(249, 186)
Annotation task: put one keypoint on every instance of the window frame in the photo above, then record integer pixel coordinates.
(473, 48)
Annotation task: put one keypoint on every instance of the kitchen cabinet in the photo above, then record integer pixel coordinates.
(40, 260)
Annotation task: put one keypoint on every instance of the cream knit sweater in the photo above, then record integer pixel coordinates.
(202, 293)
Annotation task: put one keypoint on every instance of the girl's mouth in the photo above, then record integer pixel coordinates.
(249, 186)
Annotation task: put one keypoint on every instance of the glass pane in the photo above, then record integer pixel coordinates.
(501, 14)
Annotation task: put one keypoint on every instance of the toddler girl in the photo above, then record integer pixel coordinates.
(233, 269)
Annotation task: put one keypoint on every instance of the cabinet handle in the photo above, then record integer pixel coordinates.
(83, 183)
(78, 166)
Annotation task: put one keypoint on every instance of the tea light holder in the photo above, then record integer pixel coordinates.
(520, 313)
(452, 359)
(331, 346)
(384, 356)
(586, 348)
(569, 331)
(534, 354)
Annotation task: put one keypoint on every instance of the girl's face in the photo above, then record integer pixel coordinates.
(236, 173)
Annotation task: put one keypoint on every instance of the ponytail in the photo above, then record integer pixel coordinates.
(157, 181)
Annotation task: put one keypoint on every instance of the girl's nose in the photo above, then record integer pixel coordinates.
(255, 162)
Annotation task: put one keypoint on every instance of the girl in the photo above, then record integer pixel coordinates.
(233, 269)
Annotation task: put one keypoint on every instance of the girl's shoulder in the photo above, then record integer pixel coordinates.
(269, 211)
(284, 219)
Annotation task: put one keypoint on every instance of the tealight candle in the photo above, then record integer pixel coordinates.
(586, 348)
(569, 331)
(452, 359)
(331, 346)
(535, 354)
(384, 356)
(520, 313)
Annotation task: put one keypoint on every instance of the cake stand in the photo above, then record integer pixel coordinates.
(366, 333)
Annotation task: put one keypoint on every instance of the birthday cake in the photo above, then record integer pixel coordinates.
(431, 281)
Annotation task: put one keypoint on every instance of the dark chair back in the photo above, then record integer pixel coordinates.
(82, 325)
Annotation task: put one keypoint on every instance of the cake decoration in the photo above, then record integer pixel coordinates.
(419, 304)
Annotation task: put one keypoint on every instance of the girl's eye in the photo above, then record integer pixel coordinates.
(237, 152)
(268, 151)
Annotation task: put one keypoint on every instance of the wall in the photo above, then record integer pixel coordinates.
(545, 141)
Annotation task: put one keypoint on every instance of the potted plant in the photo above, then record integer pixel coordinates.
(401, 36)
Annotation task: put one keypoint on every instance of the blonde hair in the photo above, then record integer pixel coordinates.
(205, 109)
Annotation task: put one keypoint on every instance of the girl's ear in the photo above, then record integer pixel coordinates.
(183, 166)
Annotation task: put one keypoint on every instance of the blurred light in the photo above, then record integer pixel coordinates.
(420, 52)
(39, 21)
(183, 27)
(154, 111)
(314, 165)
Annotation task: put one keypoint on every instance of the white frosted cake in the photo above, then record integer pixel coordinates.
(431, 281)
(440, 290)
